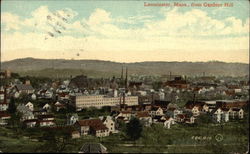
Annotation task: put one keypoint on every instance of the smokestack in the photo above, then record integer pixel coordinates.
(5, 95)
(170, 75)
(126, 79)
(122, 73)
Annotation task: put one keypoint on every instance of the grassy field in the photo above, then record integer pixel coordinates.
(155, 139)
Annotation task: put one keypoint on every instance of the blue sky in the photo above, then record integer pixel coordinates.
(125, 31)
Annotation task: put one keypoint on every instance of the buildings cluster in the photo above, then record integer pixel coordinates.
(151, 101)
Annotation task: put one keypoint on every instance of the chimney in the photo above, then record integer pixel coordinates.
(170, 75)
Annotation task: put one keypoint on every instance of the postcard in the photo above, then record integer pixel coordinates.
(124, 76)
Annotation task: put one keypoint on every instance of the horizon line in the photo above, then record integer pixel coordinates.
(119, 61)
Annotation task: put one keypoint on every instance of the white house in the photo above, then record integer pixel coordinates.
(156, 111)
(71, 119)
(4, 106)
(126, 115)
(225, 115)
(30, 106)
(110, 124)
(169, 121)
(220, 115)
(196, 110)
(1, 95)
(33, 96)
(16, 94)
(47, 107)
(236, 113)
(59, 106)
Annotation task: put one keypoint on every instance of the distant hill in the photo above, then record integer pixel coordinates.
(98, 68)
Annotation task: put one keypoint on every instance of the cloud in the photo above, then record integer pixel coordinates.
(192, 31)
(10, 20)
(99, 16)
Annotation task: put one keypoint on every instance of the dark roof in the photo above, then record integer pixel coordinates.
(93, 148)
(24, 87)
(43, 116)
(3, 114)
(95, 124)
(30, 120)
(142, 114)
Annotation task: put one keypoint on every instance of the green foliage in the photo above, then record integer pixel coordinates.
(36, 82)
(204, 119)
(134, 129)
(12, 106)
(157, 85)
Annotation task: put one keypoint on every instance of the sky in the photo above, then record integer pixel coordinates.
(125, 31)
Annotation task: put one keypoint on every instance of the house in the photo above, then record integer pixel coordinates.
(59, 106)
(33, 96)
(29, 123)
(156, 111)
(75, 134)
(47, 107)
(225, 115)
(1, 95)
(24, 88)
(236, 113)
(189, 120)
(159, 119)
(109, 123)
(63, 96)
(194, 107)
(125, 115)
(93, 148)
(168, 122)
(4, 106)
(30, 106)
(46, 123)
(46, 117)
(16, 94)
(220, 114)
(196, 110)
(180, 118)
(145, 118)
(92, 126)
(27, 115)
(4, 117)
(71, 119)
(173, 112)
(46, 120)
(205, 108)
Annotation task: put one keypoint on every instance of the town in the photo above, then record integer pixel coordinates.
(122, 114)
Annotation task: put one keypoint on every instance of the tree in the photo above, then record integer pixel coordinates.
(204, 119)
(12, 106)
(134, 129)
